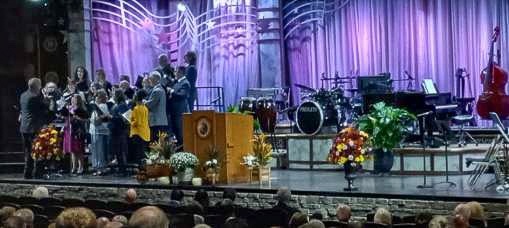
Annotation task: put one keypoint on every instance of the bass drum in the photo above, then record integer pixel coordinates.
(309, 117)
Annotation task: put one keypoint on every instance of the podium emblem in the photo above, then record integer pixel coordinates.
(203, 127)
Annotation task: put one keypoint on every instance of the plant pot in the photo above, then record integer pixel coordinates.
(157, 170)
(383, 161)
(185, 176)
(212, 176)
(350, 175)
(264, 175)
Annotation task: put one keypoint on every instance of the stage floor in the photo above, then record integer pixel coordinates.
(329, 183)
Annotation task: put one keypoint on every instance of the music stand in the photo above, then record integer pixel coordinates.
(503, 131)
(444, 129)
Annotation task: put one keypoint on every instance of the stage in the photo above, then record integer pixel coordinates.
(323, 183)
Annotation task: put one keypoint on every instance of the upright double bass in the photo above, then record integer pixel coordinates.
(494, 78)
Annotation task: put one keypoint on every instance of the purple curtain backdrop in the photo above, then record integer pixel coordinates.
(120, 51)
(428, 38)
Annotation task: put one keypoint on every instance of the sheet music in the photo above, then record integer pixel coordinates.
(429, 86)
(127, 115)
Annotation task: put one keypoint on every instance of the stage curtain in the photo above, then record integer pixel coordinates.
(232, 65)
(428, 38)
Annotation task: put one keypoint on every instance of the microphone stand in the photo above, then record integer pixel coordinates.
(422, 128)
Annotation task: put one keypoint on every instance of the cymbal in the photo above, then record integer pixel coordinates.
(303, 87)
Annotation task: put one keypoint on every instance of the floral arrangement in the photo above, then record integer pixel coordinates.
(161, 150)
(262, 152)
(183, 160)
(350, 145)
(47, 145)
(212, 163)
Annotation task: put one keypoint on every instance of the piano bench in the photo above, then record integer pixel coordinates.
(462, 120)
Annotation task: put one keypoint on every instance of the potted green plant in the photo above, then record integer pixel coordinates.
(386, 126)
(183, 163)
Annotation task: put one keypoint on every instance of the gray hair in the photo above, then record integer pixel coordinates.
(40, 192)
(33, 83)
(284, 194)
(154, 75)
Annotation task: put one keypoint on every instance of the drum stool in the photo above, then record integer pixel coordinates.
(462, 120)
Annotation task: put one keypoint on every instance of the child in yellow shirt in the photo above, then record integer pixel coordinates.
(140, 131)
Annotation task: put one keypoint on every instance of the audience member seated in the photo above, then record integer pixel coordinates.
(40, 192)
(26, 215)
(176, 198)
(194, 208)
(438, 222)
(343, 213)
(383, 217)
(76, 217)
(298, 219)
(120, 218)
(229, 193)
(313, 223)
(458, 221)
(130, 195)
(114, 225)
(462, 215)
(228, 208)
(13, 222)
(6, 212)
(102, 222)
(284, 196)
(235, 223)
(149, 217)
(477, 218)
(202, 197)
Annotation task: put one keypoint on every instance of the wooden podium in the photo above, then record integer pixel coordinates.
(230, 133)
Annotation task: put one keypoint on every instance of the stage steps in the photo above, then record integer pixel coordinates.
(12, 162)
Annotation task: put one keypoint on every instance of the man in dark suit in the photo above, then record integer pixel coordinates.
(192, 76)
(33, 111)
(178, 103)
(166, 71)
(284, 196)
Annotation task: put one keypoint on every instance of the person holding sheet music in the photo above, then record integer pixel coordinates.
(76, 115)
(119, 131)
(100, 133)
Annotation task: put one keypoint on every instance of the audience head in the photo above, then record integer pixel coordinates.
(149, 217)
(202, 226)
(228, 207)
(101, 75)
(114, 225)
(26, 215)
(230, 193)
(193, 207)
(476, 210)
(235, 223)
(177, 195)
(343, 213)
(81, 74)
(298, 219)
(6, 212)
(40, 192)
(118, 96)
(313, 223)
(131, 195)
(76, 217)
(13, 222)
(423, 218)
(155, 78)
(383, 216)
(120, 218)
(190, 58)
(463, 210)
(284, 195)
(102, 97)
(34, 85)
(163, 60)
(102, 221)
(458, 221)
(202, 197)
(438, 222)
(125, 78)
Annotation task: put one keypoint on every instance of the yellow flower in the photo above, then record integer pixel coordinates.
(363, 134)
(341, 147)
(359, 159)
(54, 131)
(342, 160)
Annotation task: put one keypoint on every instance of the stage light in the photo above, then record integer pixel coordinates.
(181, 7)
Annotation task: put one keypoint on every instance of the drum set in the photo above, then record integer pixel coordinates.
(318, 109)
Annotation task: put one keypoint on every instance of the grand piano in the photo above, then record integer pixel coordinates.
(436, 109)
